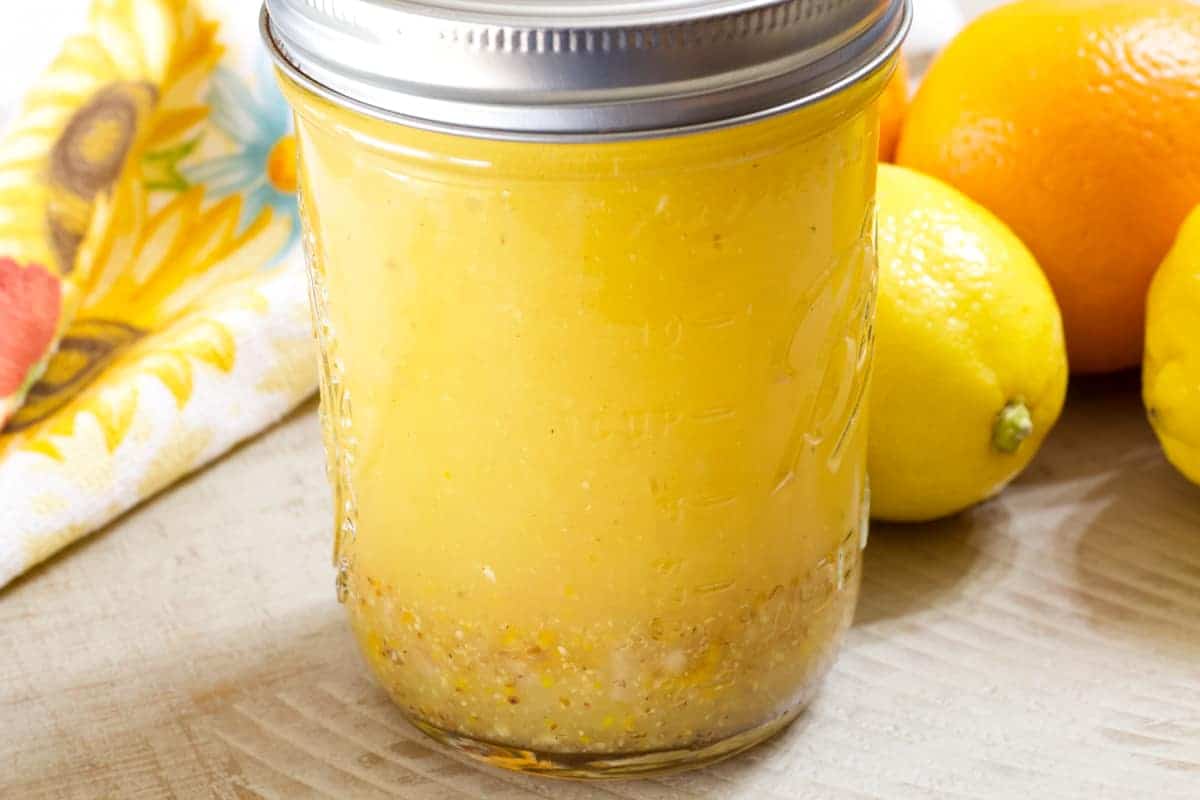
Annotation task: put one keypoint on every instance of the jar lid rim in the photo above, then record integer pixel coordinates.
(503, 69)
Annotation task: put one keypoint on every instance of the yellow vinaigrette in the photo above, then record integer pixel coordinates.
(594, 418)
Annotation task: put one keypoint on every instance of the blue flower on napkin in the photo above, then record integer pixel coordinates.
(263, 167)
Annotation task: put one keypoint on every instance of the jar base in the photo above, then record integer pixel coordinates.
(606, 766)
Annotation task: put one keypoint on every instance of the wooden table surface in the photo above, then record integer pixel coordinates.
(1045, 645)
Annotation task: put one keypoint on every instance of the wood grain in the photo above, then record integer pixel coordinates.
(1046, 644)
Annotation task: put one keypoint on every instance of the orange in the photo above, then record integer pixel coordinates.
(1077, 122)
(892, 107)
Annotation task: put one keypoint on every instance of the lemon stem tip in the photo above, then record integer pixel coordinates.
(1014, 424)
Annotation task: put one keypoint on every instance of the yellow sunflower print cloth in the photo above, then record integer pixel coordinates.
(152, 297)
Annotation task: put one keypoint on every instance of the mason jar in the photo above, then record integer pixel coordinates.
(593, 284)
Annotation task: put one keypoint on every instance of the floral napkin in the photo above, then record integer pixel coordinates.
(152, 297)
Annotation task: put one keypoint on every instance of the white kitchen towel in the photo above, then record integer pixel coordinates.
(153, 307)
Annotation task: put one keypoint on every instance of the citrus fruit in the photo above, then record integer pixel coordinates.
(970, 366)
(1077, 122)
(892, 108)
(1171, 374)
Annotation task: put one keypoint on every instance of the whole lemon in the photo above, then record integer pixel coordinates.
(1077, 122)
(970, 365)
(1171, 374)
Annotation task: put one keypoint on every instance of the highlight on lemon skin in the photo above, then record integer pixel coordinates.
(1171, 373)
(971, 367)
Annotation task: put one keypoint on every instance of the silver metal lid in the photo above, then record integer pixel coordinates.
(551, 69)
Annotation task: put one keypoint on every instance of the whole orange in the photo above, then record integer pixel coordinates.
(1077, 122)
(892, 108)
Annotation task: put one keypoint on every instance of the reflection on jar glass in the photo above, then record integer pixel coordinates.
(593, 413)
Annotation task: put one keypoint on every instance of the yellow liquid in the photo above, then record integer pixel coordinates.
(594, 419)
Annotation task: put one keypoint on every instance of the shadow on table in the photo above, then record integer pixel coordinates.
(1129, 532)
(1130, 538)
(1137, 557)
(1103, 424)
(910, 568)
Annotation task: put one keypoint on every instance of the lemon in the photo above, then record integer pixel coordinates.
(1171, 370)
(970, 366)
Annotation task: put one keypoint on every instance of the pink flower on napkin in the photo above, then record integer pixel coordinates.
(30, 303)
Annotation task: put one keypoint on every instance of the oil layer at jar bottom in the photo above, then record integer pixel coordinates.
(602, 696)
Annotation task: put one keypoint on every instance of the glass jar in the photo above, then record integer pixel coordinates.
(593, 403)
